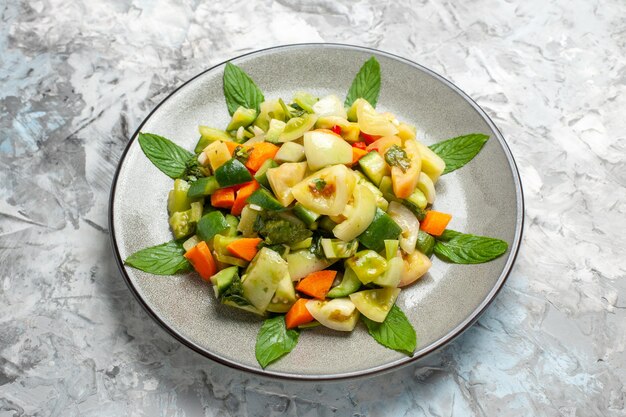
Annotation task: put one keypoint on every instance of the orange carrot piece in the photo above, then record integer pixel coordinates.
(298, 314)
(244, 248)
(200, 257)
(357, 154)
(260, 153)
(435, 222)
(245, 191)
(223, 198)
(317, 284)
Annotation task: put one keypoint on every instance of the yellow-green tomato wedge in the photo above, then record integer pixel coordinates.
(327, 191)
(375, 304)
(284, 297)
(338, 314)
(426, 186)
(432, 164)
(262, 278)
(371, 122)
(415, 266)
(297, 126)
(283, 178)
(322, 148)
(361, 215)
(392, 276)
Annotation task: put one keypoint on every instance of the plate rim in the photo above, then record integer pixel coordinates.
(388, 367)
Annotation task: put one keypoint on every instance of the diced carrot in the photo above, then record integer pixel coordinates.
(317, 284)
(298, 314)
(369, 138)
(260, 153)
(435, 222)
(200, 257)
(358, 153)
(223, 198)
(244, 248)
(243, 193)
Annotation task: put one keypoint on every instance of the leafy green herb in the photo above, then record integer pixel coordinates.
(397, 157)
(274, 340)
(234, 293)
(319, 184)
(366, 83)
(316, 247)
(168, 157)
(164, 259)
(278, 229)
(242, 154)
(396, 332)
(458, 151)
(240, 90)
(461, 248)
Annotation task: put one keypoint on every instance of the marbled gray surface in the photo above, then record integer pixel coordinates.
(78, 77)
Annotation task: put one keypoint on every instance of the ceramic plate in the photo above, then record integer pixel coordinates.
(484, 197)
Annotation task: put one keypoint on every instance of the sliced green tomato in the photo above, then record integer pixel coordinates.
(303, 244)
(264, 199)
(367, 265)
(330, 105)
(381, 202)
(307, 216)
(375, 304)
(392, 276)
(241, 118)
(374, 167)
(406, 132)
(360, 217)
(297, 126)
(275, 129)
(409, 224)
(432, 164)
(323, 148)
(349, 284)
(224, 278)
(290, 152)
(382, 227)
(211, 224)
(202, 187)
(338, 314)
(261, 174)
(303, 262)
(415, 266)
(218, 154)
(232, 173)
(209, 135)
(337, 248)
(351, 112)
(372, 122)
(326, 191)
(283, 178)
(305, 101)
(425, 243)
(181, 224)
(270, 109)
(391, 248)
(284, 297)
(425, 185)
(177, 199)
(262, 278)
(328, 122)
(417, 199)
(247, 220)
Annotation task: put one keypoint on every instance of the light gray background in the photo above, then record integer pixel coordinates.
(76, 80)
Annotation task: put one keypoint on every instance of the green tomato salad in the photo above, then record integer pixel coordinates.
(313, 211)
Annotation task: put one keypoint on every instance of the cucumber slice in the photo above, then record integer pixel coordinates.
(367, 265)
(177, 199)
(418, 199)
(209, 135)
(375, 304)
(290, 152)
(349, 284)
(242, 118)
(374, 167)
(284, 297)
(261, 174)
(231, 173)
(425, 243)
(264, 199)
(304, 214)
(211, 224)
(203, 187)
(224, 278)
(263, 277)
(337, 248)
(382, 227)
(297, 126)
(233, 224)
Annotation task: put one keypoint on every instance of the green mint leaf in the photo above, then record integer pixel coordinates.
(461, 248)
(397, 157)
(366, 83)
(240, 90)
(274, 340)
(168, 157)
(396, 332)
(164, 259)
(458, 151)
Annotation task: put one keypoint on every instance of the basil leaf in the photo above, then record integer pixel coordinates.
(170, 158)
(458, 151)
(164, 259)
(396, 332)
(274, 340)
(366, 83)
(461, 248)
(240, 90)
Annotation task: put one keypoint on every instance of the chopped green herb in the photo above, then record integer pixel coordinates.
(397, 157)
